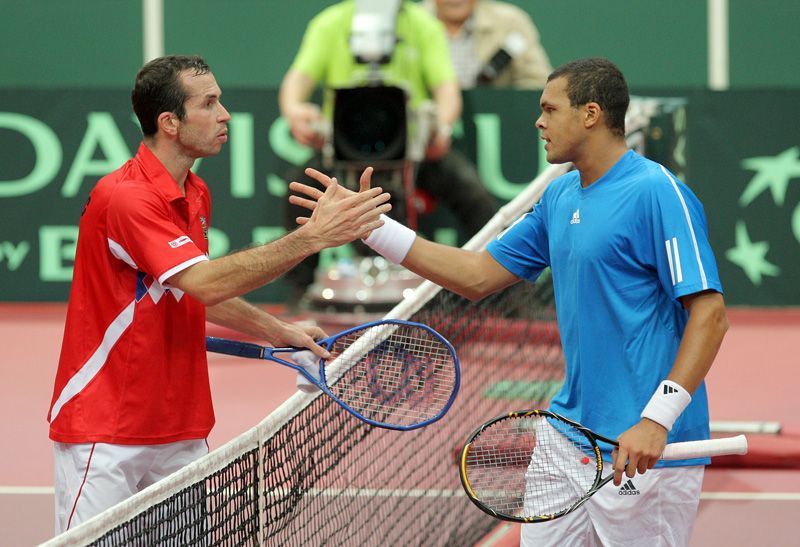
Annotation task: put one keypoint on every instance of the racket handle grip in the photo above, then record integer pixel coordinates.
(703, 449)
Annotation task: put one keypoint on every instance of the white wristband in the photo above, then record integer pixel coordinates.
(392, 240)
(666, 404)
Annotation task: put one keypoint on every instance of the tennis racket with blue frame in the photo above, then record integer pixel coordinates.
(391, 373)
(536, 466)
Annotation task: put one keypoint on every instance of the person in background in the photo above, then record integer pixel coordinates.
(638, 300)
(492, 43)
(131, 401)
(420, 63)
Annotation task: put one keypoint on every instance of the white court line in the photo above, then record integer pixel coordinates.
(23, 490)
(751, 496)
(421, 493)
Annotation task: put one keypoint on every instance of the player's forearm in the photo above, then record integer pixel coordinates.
(466, 273)
(215, 281)
(701, 340)
(240, 315)
(473, 275)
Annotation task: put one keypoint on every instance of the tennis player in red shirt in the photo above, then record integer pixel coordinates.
(131, 402)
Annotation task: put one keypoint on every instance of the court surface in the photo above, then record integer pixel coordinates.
(754, 378)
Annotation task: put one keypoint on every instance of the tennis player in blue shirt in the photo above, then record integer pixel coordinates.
(638, 299)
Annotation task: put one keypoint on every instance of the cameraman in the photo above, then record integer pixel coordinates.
(420, 64)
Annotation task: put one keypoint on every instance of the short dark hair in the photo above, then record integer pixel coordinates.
(597, 80)
(158, 88)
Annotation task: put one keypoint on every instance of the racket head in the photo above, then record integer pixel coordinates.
(530, 466)
(392, 373)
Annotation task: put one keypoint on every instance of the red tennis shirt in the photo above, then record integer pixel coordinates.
(133, 364)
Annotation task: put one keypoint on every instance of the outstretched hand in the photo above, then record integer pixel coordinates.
(313, 194)
(339, 215)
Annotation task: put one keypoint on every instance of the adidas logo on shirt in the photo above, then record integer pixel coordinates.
(576, 217)
(628, 489)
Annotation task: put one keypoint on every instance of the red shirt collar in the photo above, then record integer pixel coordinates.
(160, 177)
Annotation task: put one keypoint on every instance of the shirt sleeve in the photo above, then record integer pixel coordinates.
(683, 257)
(523, 248)
(312, 57)
(142, 233)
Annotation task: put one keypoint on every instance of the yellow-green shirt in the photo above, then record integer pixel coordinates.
(420, 62)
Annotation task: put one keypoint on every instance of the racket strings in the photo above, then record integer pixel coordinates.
(399, 374)
(524, 467)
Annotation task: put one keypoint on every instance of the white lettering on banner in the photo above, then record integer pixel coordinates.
(12, 254)
(101, 133)
(243, 178)
(47, 154)
(57, 245)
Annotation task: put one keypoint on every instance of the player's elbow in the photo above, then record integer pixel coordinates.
(478, 289)
(710, 308)
(209, 297)
(472, 296)
(719, 318)
(207, 294)
(485, 277)
(197, 282)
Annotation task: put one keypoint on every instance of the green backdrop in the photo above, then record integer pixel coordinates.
(742, 158)
(57, 43)
(65, 120)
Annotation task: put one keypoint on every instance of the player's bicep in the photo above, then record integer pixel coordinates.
(495, 275)
(709, 302)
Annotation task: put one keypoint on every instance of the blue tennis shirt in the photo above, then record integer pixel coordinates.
(622, 251)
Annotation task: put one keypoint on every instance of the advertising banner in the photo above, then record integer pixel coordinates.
(739, 151)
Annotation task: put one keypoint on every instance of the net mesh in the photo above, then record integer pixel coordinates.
(312, 474)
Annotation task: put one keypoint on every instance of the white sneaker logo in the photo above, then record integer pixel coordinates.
(576, 217)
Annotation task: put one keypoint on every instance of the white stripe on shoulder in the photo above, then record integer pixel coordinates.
(691, 228)
(179, 268)
(120, 253)
(92, 366)
(512, 225)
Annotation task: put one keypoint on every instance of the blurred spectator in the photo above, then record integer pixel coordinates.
(492, 43)
(419, 63)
